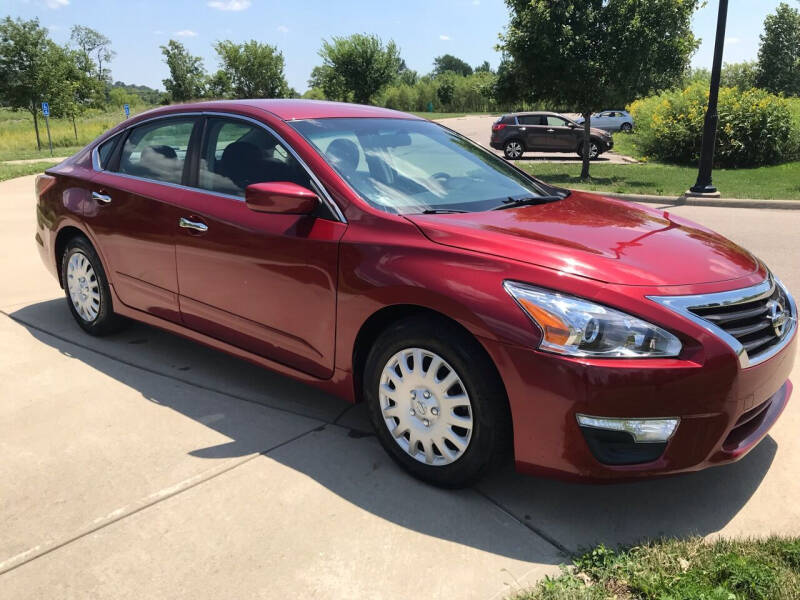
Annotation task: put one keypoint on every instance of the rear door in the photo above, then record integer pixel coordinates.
(263, 282)
(132, 213)
(532, 130)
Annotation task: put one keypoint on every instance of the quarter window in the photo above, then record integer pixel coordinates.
(236, 154)
(104, 151)
(157, 150)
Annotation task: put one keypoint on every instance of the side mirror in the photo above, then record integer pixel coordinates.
(280, 197)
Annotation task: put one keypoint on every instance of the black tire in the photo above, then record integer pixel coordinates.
(105, 321)
(513, 149)
(626, 127)
(594, 150)
(491, 434)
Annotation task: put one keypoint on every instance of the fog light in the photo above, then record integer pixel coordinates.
(642, 430)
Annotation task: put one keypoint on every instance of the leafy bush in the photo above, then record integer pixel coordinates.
(755, 127)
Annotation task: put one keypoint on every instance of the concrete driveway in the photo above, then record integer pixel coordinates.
(145, 466)
(479, 129)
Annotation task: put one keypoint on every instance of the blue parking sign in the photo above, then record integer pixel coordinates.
(127, 109)
(46, 109)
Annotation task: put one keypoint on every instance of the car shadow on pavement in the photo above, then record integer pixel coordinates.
(342, 455)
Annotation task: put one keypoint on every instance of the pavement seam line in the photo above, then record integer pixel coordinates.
(166, 375)
(172, 491)
(535, 530)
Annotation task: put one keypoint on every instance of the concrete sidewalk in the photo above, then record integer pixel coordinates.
(145, 466)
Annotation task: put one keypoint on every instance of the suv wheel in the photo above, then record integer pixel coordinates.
(594, 150)
(438, 410)
(513, 149)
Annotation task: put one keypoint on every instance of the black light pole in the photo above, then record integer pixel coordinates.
(704, 184)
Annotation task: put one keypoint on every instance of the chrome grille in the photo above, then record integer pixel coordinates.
(751, 323)
(756, 322)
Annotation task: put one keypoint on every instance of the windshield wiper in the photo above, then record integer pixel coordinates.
(442, 211)
(527, 201)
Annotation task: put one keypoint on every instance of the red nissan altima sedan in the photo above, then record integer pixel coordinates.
(477, 311)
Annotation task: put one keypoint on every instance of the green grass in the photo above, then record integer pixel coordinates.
(680, 570)
(18, 138)
(11, 171)
(777, 182)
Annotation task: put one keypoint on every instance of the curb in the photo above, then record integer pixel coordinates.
(712, 202)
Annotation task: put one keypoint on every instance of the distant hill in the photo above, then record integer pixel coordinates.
(147, 94)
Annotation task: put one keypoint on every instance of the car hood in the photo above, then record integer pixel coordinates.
(600, 238)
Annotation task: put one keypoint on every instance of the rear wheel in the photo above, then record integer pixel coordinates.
(513, 149)
(626, 127)
(437, 405)
(86, 287)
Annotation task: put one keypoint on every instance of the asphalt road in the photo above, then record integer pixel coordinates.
(479, 129)
(145, 466)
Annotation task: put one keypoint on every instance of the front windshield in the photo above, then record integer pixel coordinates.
(408, 166)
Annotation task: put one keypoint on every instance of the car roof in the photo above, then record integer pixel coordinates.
(533, 113)
(293, 109)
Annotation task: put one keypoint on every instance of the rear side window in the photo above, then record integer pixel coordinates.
(507, 120)
(530, 120)
(236, 154)
(157, 150)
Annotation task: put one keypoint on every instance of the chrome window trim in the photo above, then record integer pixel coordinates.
(683, 305)
(320, 189)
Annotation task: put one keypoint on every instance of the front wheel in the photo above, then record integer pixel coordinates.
(86, 287)
(513, 150)
(437, 405)
(594, 150)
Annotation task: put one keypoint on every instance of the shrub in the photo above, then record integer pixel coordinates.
(755, 127)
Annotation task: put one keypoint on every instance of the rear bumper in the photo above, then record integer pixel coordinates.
(724, 411)
(496, 145)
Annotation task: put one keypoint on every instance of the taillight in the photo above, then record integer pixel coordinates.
(498, 126)
(44, 183)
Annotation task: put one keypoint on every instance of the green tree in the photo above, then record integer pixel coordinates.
(779, 54)
(333, 85)
(34, 69)
(743, 75)
(186, 74)
(447, 63)
(484, 67)
(96, 49)
(219, 85)
(446, 90)
(587, 55)
(255, 70)
(359, 65)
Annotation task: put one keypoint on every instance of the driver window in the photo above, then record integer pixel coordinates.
(236, 154)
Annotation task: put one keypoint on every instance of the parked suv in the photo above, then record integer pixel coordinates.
(518, 133)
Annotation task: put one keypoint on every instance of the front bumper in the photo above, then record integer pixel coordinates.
(724, 410)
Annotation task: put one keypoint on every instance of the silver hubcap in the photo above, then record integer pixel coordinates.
(84, 289)
(426, 407)
(514, 150)
(593, 152)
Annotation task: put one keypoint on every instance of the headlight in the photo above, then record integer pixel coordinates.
(577, 327)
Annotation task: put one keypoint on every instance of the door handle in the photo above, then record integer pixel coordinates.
(101, 198)
(193, 225)
(522, 128)
(551, 131)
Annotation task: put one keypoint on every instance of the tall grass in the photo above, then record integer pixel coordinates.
(18, 138)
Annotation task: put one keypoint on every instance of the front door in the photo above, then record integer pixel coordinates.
(560, 136)
(132, 213)
(263, 282)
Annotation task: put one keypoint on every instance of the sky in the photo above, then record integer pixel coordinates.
(423, 29)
